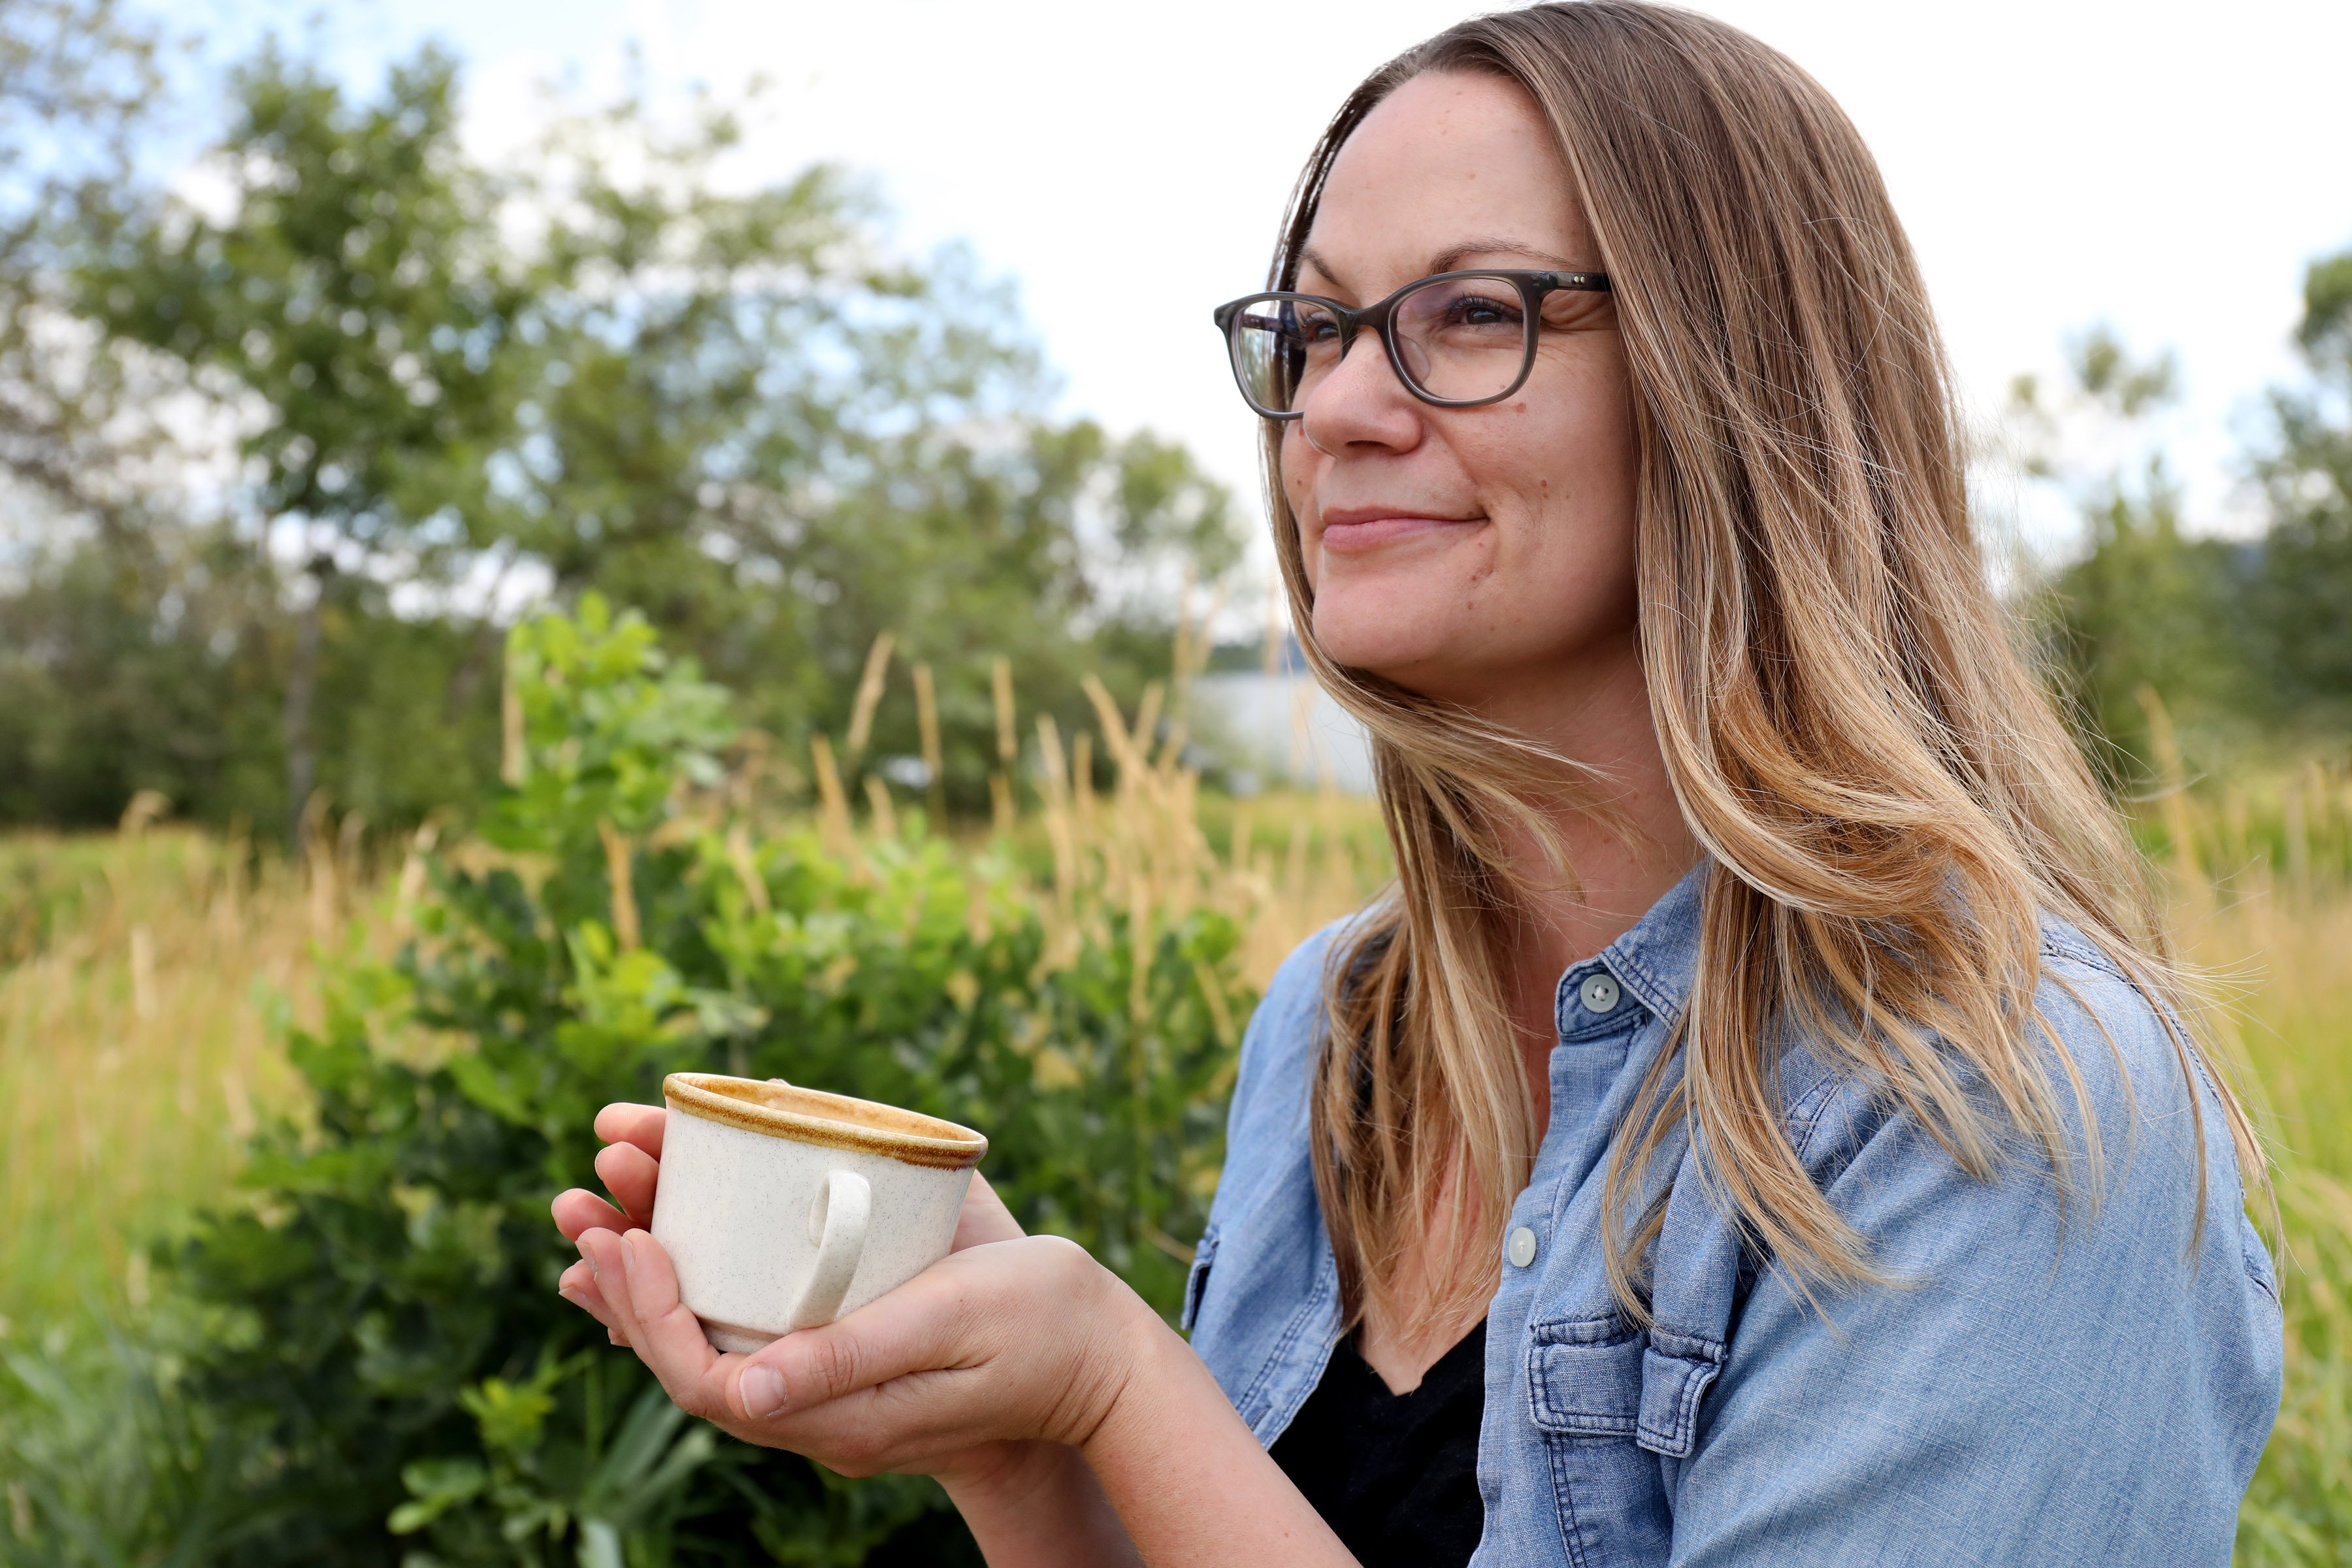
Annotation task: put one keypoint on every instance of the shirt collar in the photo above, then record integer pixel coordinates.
(1653, 960)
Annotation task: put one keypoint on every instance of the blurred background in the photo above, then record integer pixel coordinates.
(544, 545)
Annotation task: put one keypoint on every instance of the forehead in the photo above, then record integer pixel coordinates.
(1447, 160)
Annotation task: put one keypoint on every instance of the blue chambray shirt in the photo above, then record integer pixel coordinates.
(2054, 1384)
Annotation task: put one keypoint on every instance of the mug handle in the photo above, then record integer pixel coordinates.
(837, 1225)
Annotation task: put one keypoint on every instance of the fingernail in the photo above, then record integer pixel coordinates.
(629, 1256)
(764, 1390)
(576, 1298)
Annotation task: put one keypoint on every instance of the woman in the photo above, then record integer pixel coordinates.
(1756, 1128)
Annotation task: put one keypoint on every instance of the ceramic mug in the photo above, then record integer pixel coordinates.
(785, 1208)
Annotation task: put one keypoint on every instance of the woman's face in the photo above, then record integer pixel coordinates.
(1483, 555)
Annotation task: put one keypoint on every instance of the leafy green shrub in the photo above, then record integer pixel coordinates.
(392, 1349)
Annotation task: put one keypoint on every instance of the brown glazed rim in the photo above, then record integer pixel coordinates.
(779, 1109)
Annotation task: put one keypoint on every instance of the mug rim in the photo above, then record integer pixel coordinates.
(775, 1109)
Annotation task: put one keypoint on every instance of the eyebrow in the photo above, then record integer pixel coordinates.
(1450, 258)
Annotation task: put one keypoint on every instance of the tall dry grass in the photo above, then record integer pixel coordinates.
(2261, 876)
(146, 975)
(151, 973)
(139, 1038)
(2280, 957)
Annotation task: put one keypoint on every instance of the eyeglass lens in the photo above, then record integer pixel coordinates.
(1458, 339)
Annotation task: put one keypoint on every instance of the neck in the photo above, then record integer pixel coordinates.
(1623, 859)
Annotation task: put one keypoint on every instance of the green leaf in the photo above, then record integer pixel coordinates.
(436, 1486)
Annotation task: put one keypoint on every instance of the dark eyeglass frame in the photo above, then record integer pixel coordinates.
(1381, 316)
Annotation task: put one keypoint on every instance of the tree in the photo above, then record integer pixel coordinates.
(2146, 606)
(2303, 596)
(596, 368)
(353, 296)
(780, 442)
(77, 83)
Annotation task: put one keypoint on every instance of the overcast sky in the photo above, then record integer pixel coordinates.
(2164, 167)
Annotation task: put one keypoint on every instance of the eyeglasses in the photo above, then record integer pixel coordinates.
(1458, 339)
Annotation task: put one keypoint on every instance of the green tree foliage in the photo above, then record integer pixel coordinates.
(108, 675)
(2146, 606)
(354, 295)
(102, 696)
(779, 442)
(2303, 604)
(2245, 643)
(601, 365)
(78, 80)
(390, 1359)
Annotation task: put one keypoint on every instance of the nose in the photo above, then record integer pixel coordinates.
(1362, 401)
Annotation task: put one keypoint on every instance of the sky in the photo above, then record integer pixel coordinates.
(2164, 168)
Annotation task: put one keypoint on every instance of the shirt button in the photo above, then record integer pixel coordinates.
(1521, 1248)
(1600, 993)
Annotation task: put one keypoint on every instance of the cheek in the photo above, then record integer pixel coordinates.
(1559, 485)
(1299, 464)
(1562, 482)
(1298, 460)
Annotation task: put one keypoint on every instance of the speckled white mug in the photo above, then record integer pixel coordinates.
(783, 1208)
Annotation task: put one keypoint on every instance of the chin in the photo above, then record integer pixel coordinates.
(1396, 648)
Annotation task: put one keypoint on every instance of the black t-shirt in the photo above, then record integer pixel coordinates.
(1394, 1475)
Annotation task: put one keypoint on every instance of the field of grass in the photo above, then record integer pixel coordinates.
(146, 976)
(2267, 916)
(139, 1018)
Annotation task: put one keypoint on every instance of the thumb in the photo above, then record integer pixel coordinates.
(984, 1218)
(921, 1326)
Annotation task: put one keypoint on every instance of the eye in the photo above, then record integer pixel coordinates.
(1480, 310)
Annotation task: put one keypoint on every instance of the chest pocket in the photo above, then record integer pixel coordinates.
(1600, 1377)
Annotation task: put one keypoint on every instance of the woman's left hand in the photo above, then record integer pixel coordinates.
(1014, 1340)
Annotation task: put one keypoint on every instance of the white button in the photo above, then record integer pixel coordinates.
(1600, 992)
(1521, 1248)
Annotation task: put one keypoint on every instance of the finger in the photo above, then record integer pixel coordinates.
(578, 1286)
(919, 1327)
(910, 1423)
(579, 1210)
(984, 1218)
(639, 1124)
(635, 1274)
(600, 1251)
(630, 1175)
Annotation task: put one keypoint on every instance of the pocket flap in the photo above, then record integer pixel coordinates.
(1671, 1387)
(1584, 1379)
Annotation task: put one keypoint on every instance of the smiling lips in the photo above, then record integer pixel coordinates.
(1350, 531)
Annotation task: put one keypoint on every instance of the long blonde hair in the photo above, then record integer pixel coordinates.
(1886, 791)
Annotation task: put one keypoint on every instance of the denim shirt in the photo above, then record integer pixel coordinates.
(2054, 1379)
